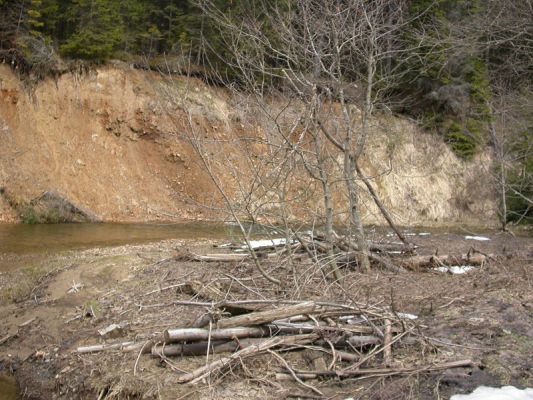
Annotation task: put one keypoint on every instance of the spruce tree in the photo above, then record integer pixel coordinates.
(99, 29)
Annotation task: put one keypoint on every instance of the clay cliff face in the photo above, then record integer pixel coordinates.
(111, 141)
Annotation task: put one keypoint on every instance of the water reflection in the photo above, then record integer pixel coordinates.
(25, 239)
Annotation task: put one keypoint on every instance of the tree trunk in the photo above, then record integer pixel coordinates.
(380, 205)
(355, 214)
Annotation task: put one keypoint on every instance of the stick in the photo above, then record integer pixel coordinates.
(287, 366)
(375, 371)
(387, 348)
(125, 347)
(102, 347)
(222, 257)
(7, 338)
(28, 322)
(261, 317)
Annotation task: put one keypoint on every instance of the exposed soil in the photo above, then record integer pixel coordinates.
(115, 142)
(485, 315)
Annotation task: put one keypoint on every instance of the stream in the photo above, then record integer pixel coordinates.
(20, 243)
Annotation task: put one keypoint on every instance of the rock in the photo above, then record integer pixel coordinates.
(112, 331)
(53, 207)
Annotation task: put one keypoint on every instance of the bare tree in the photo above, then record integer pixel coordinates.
(315, 51)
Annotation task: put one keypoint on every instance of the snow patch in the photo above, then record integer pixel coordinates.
(257, 244)
(407, 316)
(478, 238)
(488, 393)
(455, 269)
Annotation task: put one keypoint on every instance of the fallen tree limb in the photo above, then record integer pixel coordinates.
(200, 348)
(222, 257)
(125, 347)
(102, 347)
(262, 317)
(252, 350)
(374, 371)
(275, 328)
(447, 260)
(361, 341)
(197, 334)
(387, 348)
(221, 346)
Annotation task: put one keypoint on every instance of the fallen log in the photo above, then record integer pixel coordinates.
(222, 346)
(349, 258)
(347, 335)
(392, 248)
(247, 352)
(200, 348)
(362, 341)
(222, 257)
(197, 334)
(125, 347)
(262, 317)
(447, 260)
(102, 347)
(346, 244)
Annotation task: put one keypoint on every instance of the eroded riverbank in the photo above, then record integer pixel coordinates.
(485, 315)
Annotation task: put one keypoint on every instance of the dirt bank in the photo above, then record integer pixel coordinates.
(485, 315)
(110, 142)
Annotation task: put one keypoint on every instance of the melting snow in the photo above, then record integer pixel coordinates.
(504, 393)
(256, 244)
(407, 316)
(456, 269)
(478, 238)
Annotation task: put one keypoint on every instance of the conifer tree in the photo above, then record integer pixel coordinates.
(99, 29)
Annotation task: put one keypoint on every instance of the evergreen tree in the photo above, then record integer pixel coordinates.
(99, 29)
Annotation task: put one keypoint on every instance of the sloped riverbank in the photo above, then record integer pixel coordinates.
(485, 315)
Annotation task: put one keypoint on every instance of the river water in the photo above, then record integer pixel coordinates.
(19, 242)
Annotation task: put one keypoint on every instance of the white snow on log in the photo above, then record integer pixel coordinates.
(424, 234)
(478, 238)
(456, 269)
(407, 316)
(488, 393)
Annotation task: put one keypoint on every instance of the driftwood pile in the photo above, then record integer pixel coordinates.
(395, 256)
(346, 340)
(305, 339)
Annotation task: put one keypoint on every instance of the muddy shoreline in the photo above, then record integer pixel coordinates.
(485, 315)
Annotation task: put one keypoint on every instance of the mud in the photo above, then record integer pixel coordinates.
(485, 315)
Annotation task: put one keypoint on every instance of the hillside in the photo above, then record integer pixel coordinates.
(110, 142)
